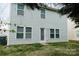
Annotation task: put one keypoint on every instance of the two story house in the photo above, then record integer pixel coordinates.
(26, 26)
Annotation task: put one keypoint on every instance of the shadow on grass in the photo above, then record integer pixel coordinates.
(51, 49)
(19, 49)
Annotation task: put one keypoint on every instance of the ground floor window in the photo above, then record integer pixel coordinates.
(57, 33)
(19, 32)
(54, 33)
(51, 33)
(28, 33)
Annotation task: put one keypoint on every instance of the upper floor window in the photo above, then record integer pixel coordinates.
(57, 33)
(43, 13)
(20, 9)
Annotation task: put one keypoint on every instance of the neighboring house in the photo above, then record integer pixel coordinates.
(73, 33)
(26, 26)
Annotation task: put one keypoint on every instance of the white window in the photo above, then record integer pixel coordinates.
(20, 32)
(57, 33)
(20, 9)
(51, 33)
(28, 33)
(42, 13)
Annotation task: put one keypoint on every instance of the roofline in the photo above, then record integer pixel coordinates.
(52, 9)
(49, 8)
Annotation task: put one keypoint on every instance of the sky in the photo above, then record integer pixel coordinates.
(2, 7)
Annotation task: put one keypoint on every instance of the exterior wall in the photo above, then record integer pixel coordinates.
(72, 31)
(55, 21)
(33, 19)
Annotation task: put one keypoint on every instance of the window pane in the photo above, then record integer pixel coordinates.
(20, 6)
(28, 29)
(19, 29)
(57, 35)
(20, 9)
(28, 35)
(19, 35)
(42, 13)
(52, 31)
(20, 12)
(28, 32)
(51, 35)
(57, 31)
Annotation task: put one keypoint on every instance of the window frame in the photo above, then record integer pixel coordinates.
(20, 33)
(43, 13)
(28, 32)
(52, 33)
(19, 9)
(57, 33)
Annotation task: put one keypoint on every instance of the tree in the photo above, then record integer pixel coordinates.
(72, 11)
(34, 5)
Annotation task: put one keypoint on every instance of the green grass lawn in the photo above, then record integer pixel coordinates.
(70, 48)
